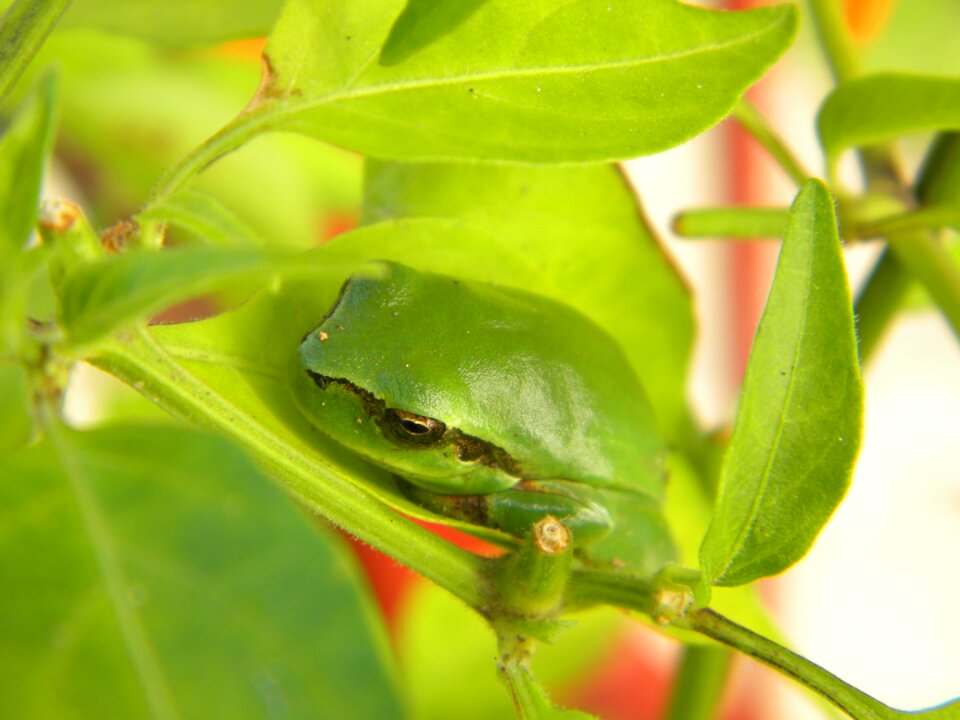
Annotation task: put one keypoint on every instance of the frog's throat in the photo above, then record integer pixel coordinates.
(469, 448)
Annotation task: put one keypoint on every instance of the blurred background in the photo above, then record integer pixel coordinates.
(874, 601)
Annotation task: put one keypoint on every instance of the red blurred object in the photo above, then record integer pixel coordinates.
(631, 684)
(335, 223)
(392, 582)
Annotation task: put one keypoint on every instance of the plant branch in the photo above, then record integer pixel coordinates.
(838, 46)
(139, 361)
(727, 222)
(754, 123)
(927, 259)
(879, 301)
(231, 136)
(855, 703)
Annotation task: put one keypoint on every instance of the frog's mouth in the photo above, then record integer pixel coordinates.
(409, 431)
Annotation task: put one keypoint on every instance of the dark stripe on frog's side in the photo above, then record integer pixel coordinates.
(473, 509)
(469, 449)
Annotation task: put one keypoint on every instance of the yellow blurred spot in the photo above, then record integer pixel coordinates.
(866, 18)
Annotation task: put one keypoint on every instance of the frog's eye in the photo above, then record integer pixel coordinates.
(406, 428)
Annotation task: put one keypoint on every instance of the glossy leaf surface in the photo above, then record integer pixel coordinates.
(798, 426)
(154, 572)
(586, 80)
(877, 108)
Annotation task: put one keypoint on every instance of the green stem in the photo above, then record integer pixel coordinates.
(26, 25)
(925, 218)
(698, 688)
(231, 136)
(838, 46)
(728, 222)
(139, 361)
(855, 703)
(879, 301)
(754, 123)
(927, 259)
(592, 587)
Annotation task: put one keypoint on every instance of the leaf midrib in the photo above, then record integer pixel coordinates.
(354, 93)
(740, 542)
(138, 646)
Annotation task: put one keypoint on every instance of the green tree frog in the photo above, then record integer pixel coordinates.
(492, 405)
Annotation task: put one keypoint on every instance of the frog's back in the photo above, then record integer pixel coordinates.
(523, 372)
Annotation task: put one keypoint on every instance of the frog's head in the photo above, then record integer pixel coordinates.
(424, 450)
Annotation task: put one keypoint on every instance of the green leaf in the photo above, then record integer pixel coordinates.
(799, 423)
(23, 28)
(585, 80)
(100, 297)
(881, 107)
(576, 234)
(177, 22)
(203, 216)
(738, 222)
(421, 23)
(155, 572)
(24, 149)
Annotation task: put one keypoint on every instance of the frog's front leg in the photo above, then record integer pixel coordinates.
(514, 511)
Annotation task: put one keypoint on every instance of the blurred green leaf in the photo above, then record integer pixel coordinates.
(587, 80)
(582, 239)
(938, 181)
(204, 217)
(155, 572)
(24, 149)
(799, 423)
(904, 42)
(23, 29)
(877, 108)
(177, 22)
(123, 123)
(99, 297)
(732, 222)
